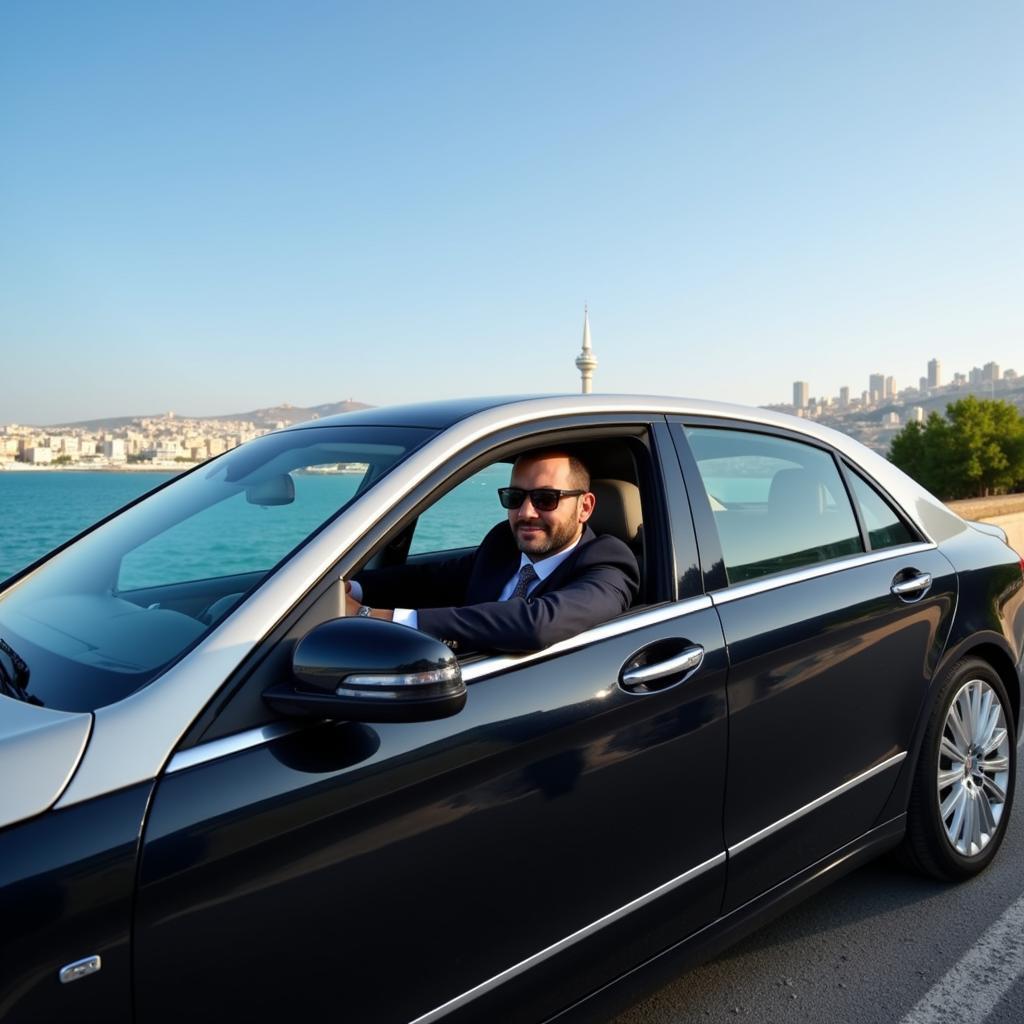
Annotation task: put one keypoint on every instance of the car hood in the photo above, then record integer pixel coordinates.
(39, 752)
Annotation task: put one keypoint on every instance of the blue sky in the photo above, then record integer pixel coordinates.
(216, 206)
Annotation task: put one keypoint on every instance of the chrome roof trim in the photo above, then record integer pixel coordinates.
(617, 627)
(545, 954)
(764, 833)
(133, 739)
(228, 745)
(812, 572)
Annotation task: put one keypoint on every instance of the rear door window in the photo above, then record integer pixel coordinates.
(777, 504)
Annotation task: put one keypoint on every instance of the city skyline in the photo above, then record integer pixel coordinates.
(227, 206)
(882, 387)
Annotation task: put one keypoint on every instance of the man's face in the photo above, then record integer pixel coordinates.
(539, 534)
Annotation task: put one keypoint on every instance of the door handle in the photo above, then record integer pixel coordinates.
(912, 589)
(686, 661)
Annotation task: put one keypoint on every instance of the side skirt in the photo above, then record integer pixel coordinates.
(619, 995)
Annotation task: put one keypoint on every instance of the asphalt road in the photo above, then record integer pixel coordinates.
(881, 945)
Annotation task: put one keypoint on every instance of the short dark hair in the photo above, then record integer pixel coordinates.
(579, 475)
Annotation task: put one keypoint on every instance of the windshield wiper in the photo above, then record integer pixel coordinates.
(14, 673)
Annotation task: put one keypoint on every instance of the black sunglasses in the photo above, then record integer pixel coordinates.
(543, 499)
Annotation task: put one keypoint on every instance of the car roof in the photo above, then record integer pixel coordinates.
(463, 419)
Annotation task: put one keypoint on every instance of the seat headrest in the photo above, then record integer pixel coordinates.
(796, 491)
(617, 509)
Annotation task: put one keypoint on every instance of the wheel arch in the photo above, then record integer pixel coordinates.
(995, 652)
(991, 648)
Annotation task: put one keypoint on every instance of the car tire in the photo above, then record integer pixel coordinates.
(963, 787)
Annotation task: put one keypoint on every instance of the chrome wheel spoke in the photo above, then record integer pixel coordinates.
(996, 740)
(986, 819)
(992, 713)
(950, 777)
(956, 722)
(975, 824)
(990, 787)
(948, 750)
(954, 803)
(995, 764)
(974, 688)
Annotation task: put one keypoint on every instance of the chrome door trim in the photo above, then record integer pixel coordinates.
(213, 750)
(570, 940)
(813, 572)
(617, 627)
(764, 833)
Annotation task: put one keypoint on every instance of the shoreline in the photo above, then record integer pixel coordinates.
(133, 467)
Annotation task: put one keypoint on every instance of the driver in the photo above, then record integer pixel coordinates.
(540, 577)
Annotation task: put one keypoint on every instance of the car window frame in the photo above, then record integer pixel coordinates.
(848, 470)
(649, 429)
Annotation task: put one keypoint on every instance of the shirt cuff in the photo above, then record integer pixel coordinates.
(406, 617)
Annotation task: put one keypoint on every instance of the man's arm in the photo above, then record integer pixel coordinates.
(601, 586)
(417, 585)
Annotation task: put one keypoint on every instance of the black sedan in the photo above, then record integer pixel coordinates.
(223, 799)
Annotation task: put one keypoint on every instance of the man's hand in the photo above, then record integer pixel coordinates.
(352, 606)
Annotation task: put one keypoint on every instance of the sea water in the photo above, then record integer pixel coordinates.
(41, 509)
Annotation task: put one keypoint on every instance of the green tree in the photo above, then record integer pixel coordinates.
(977, 449)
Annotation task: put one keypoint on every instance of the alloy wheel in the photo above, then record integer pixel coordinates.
(973, 768)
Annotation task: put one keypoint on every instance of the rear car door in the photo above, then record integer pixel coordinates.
(566, 825)
(835, 612)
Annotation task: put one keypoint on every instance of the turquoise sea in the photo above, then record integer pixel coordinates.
(40, 509)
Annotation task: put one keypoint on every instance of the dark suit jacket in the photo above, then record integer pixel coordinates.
(457, 600)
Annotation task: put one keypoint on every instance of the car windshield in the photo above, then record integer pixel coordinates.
(111, 611)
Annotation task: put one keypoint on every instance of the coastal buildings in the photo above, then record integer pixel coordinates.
(144, 443)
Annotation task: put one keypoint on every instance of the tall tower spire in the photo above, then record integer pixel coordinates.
(586, 361)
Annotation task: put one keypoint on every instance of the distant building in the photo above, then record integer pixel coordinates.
(990, 373)
(876, 386)
(934, 373)
(922, 385)
(915, 414)
(114, 449)
(844, 398)
(890, 387)
(801, 394)
(38, 456)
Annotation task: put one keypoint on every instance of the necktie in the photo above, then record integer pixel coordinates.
(526, 576)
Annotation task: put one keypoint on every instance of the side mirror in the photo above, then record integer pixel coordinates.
(367, 670)
(276, 490)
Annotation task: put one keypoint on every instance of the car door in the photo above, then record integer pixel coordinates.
(499, 864)
(835, 612)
